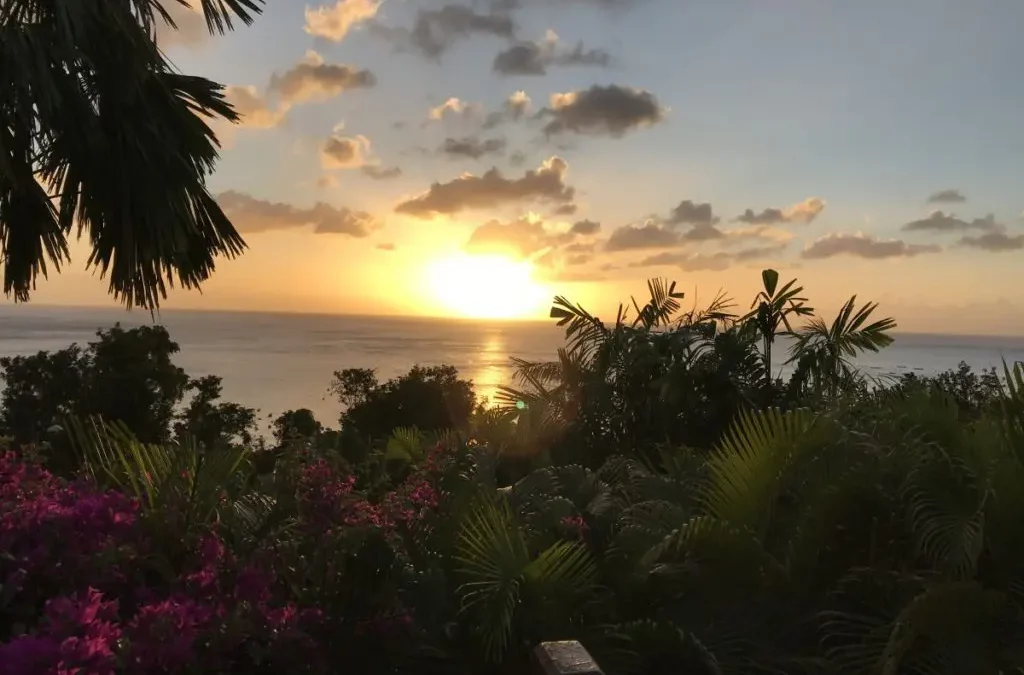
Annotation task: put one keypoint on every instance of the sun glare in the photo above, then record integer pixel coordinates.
(486, 287)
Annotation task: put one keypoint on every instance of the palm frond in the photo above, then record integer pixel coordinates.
(405, 444)
(745, 471)
(491, 556)
(179, 477)
(946, 501)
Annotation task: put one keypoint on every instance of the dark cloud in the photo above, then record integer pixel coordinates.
(649, 235)
(947, 197)
(804, 212)
(471, 146)
(251, 215)
(938, 221)
(344, 152)
(435, 31)
(534, 58)
(386, 247)
(602, 110)
(314, 79)
(491, 190)
(864, 246)
(379, 173)
(703, 233)
(689, 213)
(585, 227)
(995, 242)
(565, 210)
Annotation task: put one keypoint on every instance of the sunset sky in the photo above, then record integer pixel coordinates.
(458, 158)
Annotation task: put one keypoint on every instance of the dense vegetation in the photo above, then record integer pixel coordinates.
(657, 491)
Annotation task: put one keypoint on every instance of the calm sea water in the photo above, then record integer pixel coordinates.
(275, 362)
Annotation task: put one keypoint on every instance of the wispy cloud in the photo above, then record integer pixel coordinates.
(252, 215)
(491, 190)
(863, 246)
(333, 22)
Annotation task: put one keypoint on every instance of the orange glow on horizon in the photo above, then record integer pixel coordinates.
(486, 287)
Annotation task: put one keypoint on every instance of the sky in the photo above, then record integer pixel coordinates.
(459, 158)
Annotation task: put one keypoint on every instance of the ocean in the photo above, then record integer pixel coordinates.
(276, 362)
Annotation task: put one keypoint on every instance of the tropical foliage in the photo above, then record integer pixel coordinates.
(662, 491)
(101, 135)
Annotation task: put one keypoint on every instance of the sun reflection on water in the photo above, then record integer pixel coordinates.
(491, 367)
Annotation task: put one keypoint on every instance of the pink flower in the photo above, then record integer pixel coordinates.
(163, 635)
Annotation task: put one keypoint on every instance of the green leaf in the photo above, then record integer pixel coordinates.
(770, 278)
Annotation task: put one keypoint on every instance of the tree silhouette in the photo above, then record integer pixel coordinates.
(101, 135)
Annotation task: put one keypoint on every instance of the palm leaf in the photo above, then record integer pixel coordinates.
(745, 472)
(491, 556)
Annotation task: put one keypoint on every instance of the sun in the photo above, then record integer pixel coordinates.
(486, 287)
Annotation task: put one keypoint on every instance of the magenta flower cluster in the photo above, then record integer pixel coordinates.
(94, 591)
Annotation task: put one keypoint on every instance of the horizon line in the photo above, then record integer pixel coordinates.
(403, 317)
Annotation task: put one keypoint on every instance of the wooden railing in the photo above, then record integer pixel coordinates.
(567, 657)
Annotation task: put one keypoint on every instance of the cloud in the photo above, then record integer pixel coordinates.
(333, 22)
(471, 146)
(345, 152)
(530, 237)
(312, 79)
(518, 103)
(436, 31)
(804, 212)
(709, 262)
(649, 235)
(251, 215)
(602, 110)
(453, 106)
(949, 196)
(491, 190)
(385, 247)
(585, 227)
(691, 262)
(689, 213)
(534, 58)
(253, 107)
(763, 232)
(561, 210)
(521, 237)
(665, 232)
(937, 221)
(699, 217)
(863, 246)
(377, 173)
(995, 241)
(516, 106)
